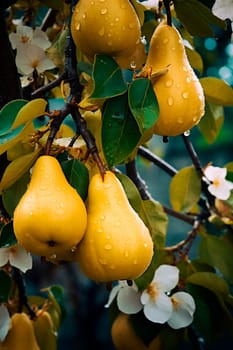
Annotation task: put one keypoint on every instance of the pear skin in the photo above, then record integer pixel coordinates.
(117, 245)
(178, 90)
(106, 27)
(50, 218)
(21, 334)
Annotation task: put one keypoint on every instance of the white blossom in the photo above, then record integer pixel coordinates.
(183, 308)
(31, 57)
(150, 4)
(5, 321)
(16, 256)
(127, 297)
(219, 186)
(26, 35)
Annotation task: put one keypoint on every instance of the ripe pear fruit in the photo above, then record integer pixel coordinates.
(107, 27)
(178, 90)
(45, 331)
(117, 245)
(50, 218)
(124, 336)
(21, 334)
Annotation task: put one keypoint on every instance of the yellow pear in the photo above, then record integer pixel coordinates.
(45, 331)
(178, 90)
(117, 245)
(21, 334)
(50, 218)
(124, 336)
(107, 27)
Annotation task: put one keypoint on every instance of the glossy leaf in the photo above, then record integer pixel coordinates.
(120, 132)
(195, 59)
(17, 168)
(8, 114)
(210, 281)
(185, 189)
(12, 195)
(211, 124)
(5, 286)
(54, 4)
(30, 111)
(108, 79)
(12, 137)
(217, 91)
(197, 18)
(77, 175)
(151, 212)
(218, 253)
(56, 297)
(7, 237)
(143, 103)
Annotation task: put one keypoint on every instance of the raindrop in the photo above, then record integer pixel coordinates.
(170, 101)
(135, 262)
(108, 247)
(195, 118)
(187, 133)
(73, 249)
(188, 80)
(101, 0)
(180, 120)
(131, 25)
(103, 11)
(101, 31)
(107, 185)
(92, 3)
(165, 41)
(123, 6)
(102, 261)
(126, 254)
(168, 83)
(78, 26)
(185, 95)
(178, 85)
(43, 188)
(145, 245)
(102, 217)
(100, 230)
(31, 213)
(112, 267)
(133, 65)
(117, 19)
(84, 15)
(108, 237)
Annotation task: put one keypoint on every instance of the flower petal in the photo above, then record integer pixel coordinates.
(222, 190)
(166, 277)
(20, 258)
(145, 297)
(128, 300)
(45, 64)
(4, 256)
(183, 310)
(112, 295)
(40, 39)
(5, 321)
(159, 311)
(214, 172)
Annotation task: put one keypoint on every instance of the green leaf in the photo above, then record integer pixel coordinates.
(108, 79)
(197, 18)
(185, 189)
(12, 137)
(217, 91)
(5, 286)
(143, 103)
(30, 111)
(210, 281)
(195, 59)
(218, 252)
(211, 123)
(56, 296)
(151, 212)
(17, 168)
(77, 175)
(12, 195)
(8, 114)
(120, 132)
(7, 237)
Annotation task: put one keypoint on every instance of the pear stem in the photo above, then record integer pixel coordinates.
(168, 12)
